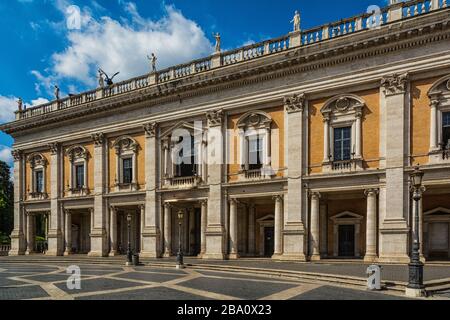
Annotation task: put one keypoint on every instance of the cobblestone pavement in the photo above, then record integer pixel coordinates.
(34, 280)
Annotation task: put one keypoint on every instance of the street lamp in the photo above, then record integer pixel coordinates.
(129, 252)
(180, 264)
(415, 284)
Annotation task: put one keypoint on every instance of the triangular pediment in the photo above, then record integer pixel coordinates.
(182, 125)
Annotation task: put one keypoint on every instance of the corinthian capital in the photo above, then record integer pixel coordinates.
(98, 139)
(395, 84)
(214, 118)
(295, 103)
(17, 154)
(150, 129)
(54, 147)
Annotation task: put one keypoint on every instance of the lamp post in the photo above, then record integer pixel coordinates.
(180, 264)
(415, 286)
(129, 252)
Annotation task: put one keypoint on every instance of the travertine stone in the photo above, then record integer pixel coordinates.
(18, 245)
(315, 226)
(55, 236)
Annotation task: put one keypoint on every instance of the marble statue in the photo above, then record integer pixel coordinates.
(217, 36)
(296, 21)
(101, 80)
(152, 60)
(56, 92)
(19, 104)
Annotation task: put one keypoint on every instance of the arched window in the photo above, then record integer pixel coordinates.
(78, 173)
(440, 120)
(183, 147)
(38, 173)
(343, 133)
(126, 163)
(254, 142)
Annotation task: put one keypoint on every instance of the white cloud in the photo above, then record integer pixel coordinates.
(124, 45)
(8, 105)
(5, 154)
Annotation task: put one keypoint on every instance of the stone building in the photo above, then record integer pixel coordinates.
(301, 149)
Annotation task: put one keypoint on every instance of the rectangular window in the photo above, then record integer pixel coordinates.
(342, 143)
(127, 170)
(446, 128)
(79, 176)
(39, 178)
(188, 165)
(255, 152)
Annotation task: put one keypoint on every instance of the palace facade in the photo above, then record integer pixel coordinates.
(301, 149)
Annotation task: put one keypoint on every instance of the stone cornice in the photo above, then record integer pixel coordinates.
(390, 38)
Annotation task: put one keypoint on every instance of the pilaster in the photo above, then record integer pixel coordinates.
(55, 235)
(99, 246)
(18, 235)
(294, 229)
(151, 236)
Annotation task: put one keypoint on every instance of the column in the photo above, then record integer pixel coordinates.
(323, 230)
(113, 231)
(191, 232)
(326, 140)
(294, 237)
(245, 231)
(141, 240)
(18, 245)
(55, 237)
(167, 230)
(233, 230)
(267, 153)
(68, 233)
(251, 229)
(433, 125)
(30, 234)
(278, 246)
(371, 225)
(314, 248)
(204, 224)
(98, 215)
(358, 128)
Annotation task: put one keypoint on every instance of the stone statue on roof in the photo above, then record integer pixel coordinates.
(296, 21)
(218, 40)
(101, 80)
(20, 104)
(152, 60)
(56, 92)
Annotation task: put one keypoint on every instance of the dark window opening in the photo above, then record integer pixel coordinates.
(79, 176)
(255, 152)
(39, 176)
(446, 129)
(342, 144)
(127, 165)
(188, 166)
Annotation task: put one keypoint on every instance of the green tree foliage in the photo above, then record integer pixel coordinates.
(6, 200)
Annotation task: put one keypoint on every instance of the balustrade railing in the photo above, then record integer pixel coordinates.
(4, 249)
(343, 165)
(181, 182)
(312, 36)
(253, 174)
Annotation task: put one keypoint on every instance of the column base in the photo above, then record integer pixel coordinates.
(370, 258)
(233, 256)
(68, 253)
(15, 253)
(403, 259)
(167, 255)
(214, 256)
(97, 254)
(415, 293)
(293, 257)
(113, 253)
(28, 252)
(315, 257)
(152, 255)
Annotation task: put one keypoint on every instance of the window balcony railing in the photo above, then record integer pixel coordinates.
(38, 195)
(78, 191)
(183, 182)
(256, 174)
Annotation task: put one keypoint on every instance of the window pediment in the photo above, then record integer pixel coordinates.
(124, 144)
(77, 152)
(343, 105)
(193, 129)
(36, 160)
(442, 86)
(255, 120)
(347, 215)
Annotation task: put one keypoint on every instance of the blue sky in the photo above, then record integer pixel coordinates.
(38, 50)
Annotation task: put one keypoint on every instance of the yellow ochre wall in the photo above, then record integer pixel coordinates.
(420, 120)
(27, 173)
(370, 131)
(277, 114)
(90, 167)
(140, 139)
